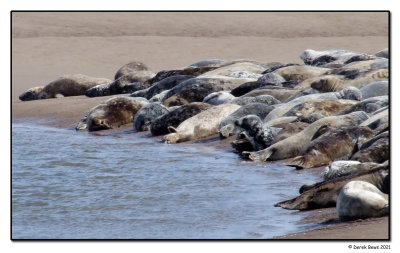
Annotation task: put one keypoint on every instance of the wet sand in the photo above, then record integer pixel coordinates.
(333, 228)
(48, 45)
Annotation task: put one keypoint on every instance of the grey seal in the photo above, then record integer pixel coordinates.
(196, 89)
(336, 144)
(255, 132)
(174, 118)
(350, 93)
(374, 89)
(65, 86)
(324, 194)
(131, 82)
(291, 146)
(368, 105)
(113, 113)
(147, 114)
(228, 126)
(360, 200)
(317, 58)
(201, 125)
(133, 66)
(374, 150)
(219, 97)
(265, 99)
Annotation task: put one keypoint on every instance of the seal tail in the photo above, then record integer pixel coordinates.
(261, 155)
(297, 162)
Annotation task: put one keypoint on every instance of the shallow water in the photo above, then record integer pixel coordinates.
(76, 185)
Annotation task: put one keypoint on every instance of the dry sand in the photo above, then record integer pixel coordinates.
(47, 45)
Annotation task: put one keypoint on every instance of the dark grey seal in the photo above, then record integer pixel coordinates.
(147, 114)
(190, 71)
(228, 126)
(166, 84)
(159, 126)
(196, 89)
(375, 150)
(128, 83)
(255, 132)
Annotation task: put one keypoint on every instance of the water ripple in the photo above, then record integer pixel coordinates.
(68, 184)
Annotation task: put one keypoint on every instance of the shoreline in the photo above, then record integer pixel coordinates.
(46, 45)
(329, 227)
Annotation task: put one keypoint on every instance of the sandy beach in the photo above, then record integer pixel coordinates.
(48, 45)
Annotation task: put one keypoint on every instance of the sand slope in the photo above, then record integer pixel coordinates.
(47, 45)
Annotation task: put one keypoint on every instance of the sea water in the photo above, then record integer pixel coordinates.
(78, 185)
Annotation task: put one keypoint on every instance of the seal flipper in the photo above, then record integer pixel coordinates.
(171, 138)
(297, 162)
(298, 203)
(261, 155)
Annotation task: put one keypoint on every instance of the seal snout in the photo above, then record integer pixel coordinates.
(171, 138)
(227, 131)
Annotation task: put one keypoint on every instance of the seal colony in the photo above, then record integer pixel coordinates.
(331, 111)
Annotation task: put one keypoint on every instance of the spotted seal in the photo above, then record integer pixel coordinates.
(253, 138)
(228, 126)
(345, 168)
(113, 113)
(147, 114)
(244, 74)
(258, 135)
